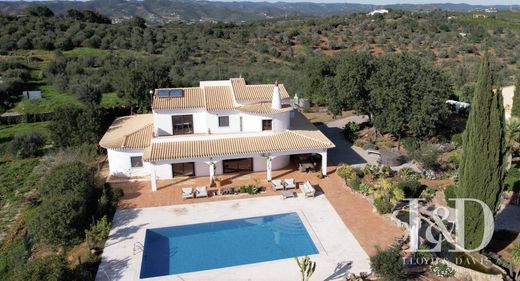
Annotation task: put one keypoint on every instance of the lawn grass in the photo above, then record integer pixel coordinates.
(112, 100)
(51, 99)
(7, 132)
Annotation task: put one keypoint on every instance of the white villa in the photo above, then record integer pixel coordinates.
(219, 127)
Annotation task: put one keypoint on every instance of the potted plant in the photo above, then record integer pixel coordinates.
(218, 182)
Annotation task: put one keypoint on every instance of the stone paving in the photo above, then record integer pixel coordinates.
(353, 209)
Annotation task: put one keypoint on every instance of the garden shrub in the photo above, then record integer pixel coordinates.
(450, 193)
(383, 205)
(52, 268)
(67, 207)
(13, 257)
(365, 188)
(454, 158)
(350, 131)
(98, 232)
(408, 173)
(457, 139)
(27, 145)
(249, 189)
(512, 180)
(411, 188)
(355, 184)
(388, 265)
(427, 155)
(515, 253)
(442, 270)
(387, 171)
(372, 170)
(410, 143)
(346, 172)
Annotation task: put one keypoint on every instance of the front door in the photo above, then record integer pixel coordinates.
(183, 169)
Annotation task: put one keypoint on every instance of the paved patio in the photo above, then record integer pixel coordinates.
(339, 251)
(352, 208)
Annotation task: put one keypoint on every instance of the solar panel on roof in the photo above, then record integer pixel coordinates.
(176, 93)
(168, 93)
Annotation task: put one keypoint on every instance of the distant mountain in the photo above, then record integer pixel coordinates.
(164, 11)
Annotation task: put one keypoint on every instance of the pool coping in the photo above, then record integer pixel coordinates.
(129, 266)
(301, 215)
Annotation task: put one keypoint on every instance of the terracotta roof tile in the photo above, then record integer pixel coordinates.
(286, 141)
(192, 98)
(263, 108)
(262, 92)
(134, 131)
(218, 98)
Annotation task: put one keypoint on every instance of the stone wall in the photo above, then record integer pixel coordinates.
(464, 273)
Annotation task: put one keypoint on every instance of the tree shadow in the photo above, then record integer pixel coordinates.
(112, 269)
(120, 225)
(343, 152)
(341, 271)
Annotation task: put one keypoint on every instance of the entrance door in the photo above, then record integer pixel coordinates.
(183, 169)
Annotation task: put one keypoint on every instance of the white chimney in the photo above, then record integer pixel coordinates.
(277, 101)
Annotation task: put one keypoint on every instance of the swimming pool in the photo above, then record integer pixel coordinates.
(195, 247)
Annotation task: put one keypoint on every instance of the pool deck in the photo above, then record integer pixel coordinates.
(339, 251)
(353, 209)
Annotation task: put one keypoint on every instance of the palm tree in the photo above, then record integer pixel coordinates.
(512, 138)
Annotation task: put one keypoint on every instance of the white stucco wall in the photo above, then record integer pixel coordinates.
(163, 169)
(120, 165)
(234, 122)
(202, 120)
(162, 120)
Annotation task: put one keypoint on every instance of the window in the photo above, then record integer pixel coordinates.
(182, 124)
(267, 125)
(183, 169)
(238, 165)
(223, 121)
(136, 161)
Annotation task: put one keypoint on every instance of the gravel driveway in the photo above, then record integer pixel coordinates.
(345, 152)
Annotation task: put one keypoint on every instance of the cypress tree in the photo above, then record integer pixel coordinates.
(482, 164)
(515, 111)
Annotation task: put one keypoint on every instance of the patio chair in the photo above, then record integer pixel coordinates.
(307, 189)
(277, 185)
(187, 192)
(201, 191)
(289, 183)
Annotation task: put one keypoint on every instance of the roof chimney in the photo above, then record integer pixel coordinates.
(277, 102)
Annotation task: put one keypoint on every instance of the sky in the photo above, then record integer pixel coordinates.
(382, 2)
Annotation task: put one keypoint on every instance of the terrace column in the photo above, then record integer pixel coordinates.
(153, 177)
(269, 167)
(211, 171)
(324, 163)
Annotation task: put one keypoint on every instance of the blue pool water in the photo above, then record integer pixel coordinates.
(188, 248)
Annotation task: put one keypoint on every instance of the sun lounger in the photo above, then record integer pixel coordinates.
(307, 189)
(277, 184)
(187, 192)
(289, 183)
(201, 191)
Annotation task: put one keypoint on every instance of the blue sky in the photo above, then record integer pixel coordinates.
(381, 2)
